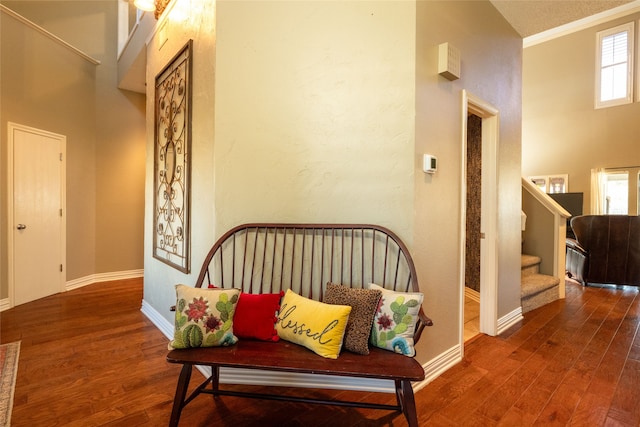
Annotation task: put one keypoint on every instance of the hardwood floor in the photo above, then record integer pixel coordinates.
(471, 318)
(89, 357)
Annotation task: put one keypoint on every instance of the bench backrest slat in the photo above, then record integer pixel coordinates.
(274, 257)
(269, 258)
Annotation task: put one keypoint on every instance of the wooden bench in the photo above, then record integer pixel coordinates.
(269, 258)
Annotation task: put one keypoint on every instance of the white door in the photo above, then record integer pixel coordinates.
(36, 213)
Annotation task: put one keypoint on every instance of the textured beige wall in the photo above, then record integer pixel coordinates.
(313, 105)
(120, 161)
(491, 54)
(537, 238)
(46, 86)
(314, 114)
(119, 135)
(52, 88)
(562, 132)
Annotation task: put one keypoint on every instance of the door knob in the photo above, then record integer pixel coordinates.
(21, 227)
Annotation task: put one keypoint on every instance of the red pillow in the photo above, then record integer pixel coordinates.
(255, 316)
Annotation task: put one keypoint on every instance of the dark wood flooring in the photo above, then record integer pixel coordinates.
(89, 357)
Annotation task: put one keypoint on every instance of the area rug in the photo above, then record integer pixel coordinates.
(8, 372)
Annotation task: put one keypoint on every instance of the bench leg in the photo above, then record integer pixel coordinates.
(407, 403)
(215, 378)
(181, 392)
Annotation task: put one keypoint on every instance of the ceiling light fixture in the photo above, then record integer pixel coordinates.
(148, 5)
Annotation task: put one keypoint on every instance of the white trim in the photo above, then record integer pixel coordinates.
(546, 201)
(4, 304)
(489, 216)
(126, 43)
(432, 369)
(635, 92)
(462, 245)
(629, 29)
(439, 364)
(157, 319)
(581, 24)
(560, 252)
(103, 277)
(510, 319)
(472, 294)
(46, 33)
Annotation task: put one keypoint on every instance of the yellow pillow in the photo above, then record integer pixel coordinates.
(318, 326)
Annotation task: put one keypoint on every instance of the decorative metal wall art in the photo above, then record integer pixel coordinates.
(172, 162)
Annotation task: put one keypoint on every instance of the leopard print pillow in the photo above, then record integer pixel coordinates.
(364, 303)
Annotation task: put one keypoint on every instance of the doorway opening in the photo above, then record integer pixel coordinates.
(478, 245)
(473, 227)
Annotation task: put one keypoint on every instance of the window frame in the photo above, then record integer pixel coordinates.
(633, 193)
(629, 27)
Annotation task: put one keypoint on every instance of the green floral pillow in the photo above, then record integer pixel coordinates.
(204, 317)
(395, 320)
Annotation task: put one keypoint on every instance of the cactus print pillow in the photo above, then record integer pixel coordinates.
(204, 317)
(395, 320)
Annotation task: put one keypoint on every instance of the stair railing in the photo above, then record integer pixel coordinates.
(545, 232)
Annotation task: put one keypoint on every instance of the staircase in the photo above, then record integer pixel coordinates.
(536, 289)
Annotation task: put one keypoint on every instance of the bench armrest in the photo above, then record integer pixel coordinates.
(423, 320)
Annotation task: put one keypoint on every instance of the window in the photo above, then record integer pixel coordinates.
(618, 191)
(614, 66)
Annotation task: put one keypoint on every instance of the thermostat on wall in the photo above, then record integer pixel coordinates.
(430, 163)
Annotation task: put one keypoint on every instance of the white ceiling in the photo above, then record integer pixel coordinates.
(529, 17)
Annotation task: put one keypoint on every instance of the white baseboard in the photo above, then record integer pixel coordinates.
(472, 294)
(438, 365)
(290, 379)
(4, 304)
(157, 319)
(510, 319)
(506, 321)
(103, 277)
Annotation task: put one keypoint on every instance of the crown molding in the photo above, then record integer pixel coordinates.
(581, 24)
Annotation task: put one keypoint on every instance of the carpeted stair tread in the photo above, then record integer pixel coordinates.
(533, 284)
(528, 260)
(529, 264)
(536, 289)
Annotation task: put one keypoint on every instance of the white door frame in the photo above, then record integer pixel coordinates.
(489, 213)
(11, 129)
